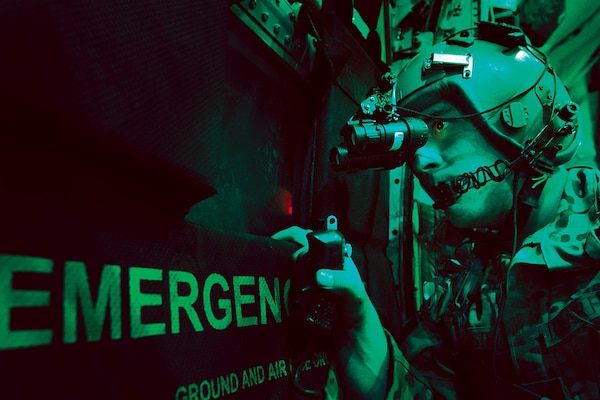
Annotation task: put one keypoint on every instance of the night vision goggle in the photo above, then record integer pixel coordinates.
(378, 137)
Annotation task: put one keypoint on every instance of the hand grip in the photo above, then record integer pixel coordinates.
(325, 251)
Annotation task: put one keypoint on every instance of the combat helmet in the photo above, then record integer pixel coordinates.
(505, 86)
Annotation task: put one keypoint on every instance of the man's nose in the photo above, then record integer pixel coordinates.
(426, 159)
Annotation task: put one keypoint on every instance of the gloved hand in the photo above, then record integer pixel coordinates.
(297, 235)
(361, 350)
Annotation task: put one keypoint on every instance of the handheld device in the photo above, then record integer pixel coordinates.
(325, 251)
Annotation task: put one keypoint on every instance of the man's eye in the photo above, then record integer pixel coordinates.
(439, 127)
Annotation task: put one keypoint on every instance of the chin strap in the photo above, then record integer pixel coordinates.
(446, 193)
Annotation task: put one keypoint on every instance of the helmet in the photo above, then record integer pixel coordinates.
(505, 86)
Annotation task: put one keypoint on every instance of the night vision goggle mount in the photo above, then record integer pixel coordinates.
(377, 137)
(540, 151)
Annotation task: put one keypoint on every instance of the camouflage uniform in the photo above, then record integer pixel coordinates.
(547, 297)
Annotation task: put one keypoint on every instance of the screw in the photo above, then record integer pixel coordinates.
(252, 4)
(265, 17)
(276, 28)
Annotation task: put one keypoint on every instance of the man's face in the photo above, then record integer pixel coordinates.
(454, 147)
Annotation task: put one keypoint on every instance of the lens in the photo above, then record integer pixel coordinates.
(338, 157)
(419, 133)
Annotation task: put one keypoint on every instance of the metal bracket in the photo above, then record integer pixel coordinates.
(544, 95)
(441, 61)
(274, 22)
(397, 188)
(331, 222)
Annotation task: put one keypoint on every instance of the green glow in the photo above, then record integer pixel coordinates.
(137, 300)
(10, 298)
(272, 299)
(94, 303)
(183, 302)
(77, 286)
(241, 299)
(224, 304)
